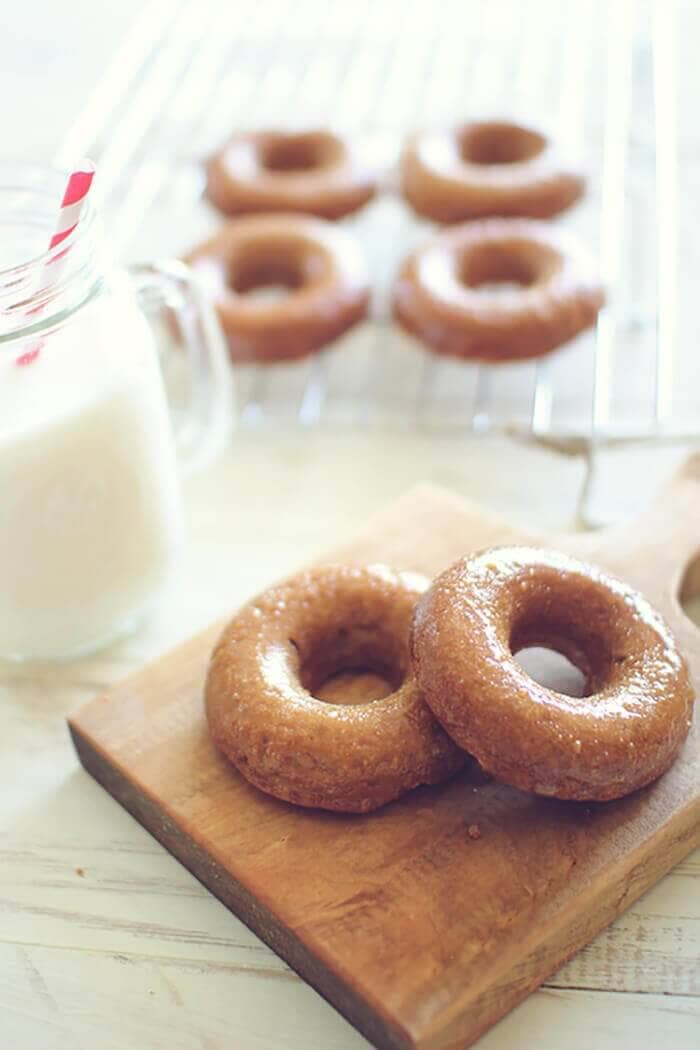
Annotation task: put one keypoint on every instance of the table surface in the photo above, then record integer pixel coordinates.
(105, 940)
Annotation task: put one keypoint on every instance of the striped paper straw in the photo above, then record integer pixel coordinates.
(75, 194)
(72, 204)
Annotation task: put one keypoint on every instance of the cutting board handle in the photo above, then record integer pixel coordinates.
(656, 548)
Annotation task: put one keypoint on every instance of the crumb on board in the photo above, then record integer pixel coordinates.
(474, 831)
(81, 872)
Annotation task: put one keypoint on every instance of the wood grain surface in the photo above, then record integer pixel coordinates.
(419, 933)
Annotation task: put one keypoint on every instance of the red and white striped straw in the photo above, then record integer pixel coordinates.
(72, 204)
(74, 196)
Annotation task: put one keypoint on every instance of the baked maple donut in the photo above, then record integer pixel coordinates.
(276, 652)
(623, 734)
(438, 296)
(487, 168)
(321, 265)
(315, 172)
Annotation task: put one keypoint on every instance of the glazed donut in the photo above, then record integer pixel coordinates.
(264, 677)
(437, 295)
(312, 171)
(320, 264)
(622, 735)
(487, 168)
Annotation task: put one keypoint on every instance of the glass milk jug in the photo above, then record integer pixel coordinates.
(90, 506)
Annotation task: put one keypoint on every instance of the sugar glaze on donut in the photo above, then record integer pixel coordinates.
(623, 734)
(315, 172)
(320, 265)
(270, 661)
(488, 168)
(439, 296)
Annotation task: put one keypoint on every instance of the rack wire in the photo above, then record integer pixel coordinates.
(600, 74)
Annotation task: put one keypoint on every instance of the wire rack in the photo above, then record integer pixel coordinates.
(600, 74)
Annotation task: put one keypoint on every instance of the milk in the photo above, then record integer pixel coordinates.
(90, 514)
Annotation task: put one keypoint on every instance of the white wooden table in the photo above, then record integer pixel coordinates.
(106, 941)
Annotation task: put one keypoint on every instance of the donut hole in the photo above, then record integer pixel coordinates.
(265, 280)
(491, 144)
(357, 686)
(352, 666)
(295, 153)
(498, 269)
(553, 670)
(556, 647)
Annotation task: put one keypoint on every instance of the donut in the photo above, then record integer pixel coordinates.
(315, 172)
(487, 168)
(437, 295)
(265, 675)
(622, 735)
(319, 263)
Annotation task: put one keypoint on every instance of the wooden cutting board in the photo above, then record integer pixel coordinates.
(421, 933)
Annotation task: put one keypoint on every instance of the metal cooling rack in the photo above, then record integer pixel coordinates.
(599, 73)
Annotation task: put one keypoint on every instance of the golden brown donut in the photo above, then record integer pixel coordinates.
(276, 652)
(315, 172)
(320, 264)
(622, 735)
(437, 294)
(487, 168)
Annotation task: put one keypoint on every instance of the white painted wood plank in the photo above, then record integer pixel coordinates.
(66, 999)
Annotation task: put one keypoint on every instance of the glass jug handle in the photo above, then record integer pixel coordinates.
(193, 358)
